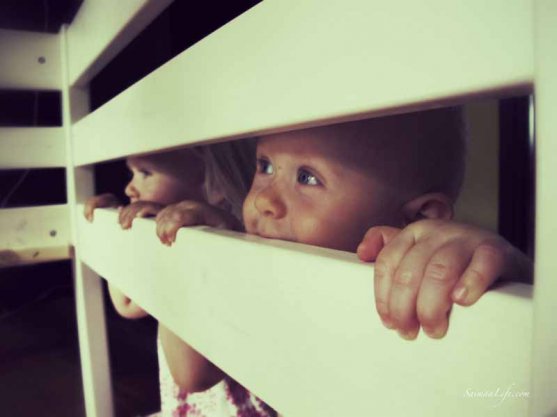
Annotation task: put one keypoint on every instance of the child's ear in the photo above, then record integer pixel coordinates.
(428, 206)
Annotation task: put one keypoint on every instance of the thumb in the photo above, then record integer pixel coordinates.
(374, 240)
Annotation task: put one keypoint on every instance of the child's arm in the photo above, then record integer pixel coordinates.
(191, 371)
(421, 270)
(124, 305)
(192, 213)
(99, 201)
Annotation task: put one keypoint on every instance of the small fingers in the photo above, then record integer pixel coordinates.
(442, 272)
(168, 231)
(486, 266)
(159, 221)
(386, 265)
(374, 241)
(171, 219)
(406, 285)
(126, 216)
(88, 210)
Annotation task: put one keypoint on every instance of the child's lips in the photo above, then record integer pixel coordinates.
(266, 231)
(271, 235)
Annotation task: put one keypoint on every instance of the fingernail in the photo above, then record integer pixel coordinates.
(408, 334)
(434, 333)
(387, 323)
(460, 294)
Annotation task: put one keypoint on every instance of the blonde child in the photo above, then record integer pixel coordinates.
(199, 177)
(156, 181)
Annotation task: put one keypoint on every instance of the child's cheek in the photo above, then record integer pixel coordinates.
(308, 221)
(249, 213)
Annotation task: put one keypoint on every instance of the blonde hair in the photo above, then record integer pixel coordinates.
(229, 170)
(225, 170)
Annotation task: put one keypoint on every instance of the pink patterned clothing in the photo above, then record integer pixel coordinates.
(225, 399)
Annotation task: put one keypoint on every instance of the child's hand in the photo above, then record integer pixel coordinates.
(421, 270)
(99, 201)
(191, 213)
(137, 209)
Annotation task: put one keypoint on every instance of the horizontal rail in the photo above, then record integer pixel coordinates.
(34, 235)
(32, 147)
(30, 60)
(297, 324)
(20, 257)
(286, 64)
(101, 29)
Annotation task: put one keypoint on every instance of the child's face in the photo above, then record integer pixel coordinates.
(305, 191)
(150, 182)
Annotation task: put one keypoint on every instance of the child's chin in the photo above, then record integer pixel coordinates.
(268, 235)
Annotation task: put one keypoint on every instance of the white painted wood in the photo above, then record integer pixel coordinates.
(297, 324)
(289, 63)
(101, 29)
(32, 147)
(21, 66)
(33, 235)
(93, 347)
(544, 357)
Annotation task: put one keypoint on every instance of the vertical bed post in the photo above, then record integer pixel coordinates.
(95, 367)
(544, 358)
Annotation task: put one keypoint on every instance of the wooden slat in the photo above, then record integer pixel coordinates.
(91, 326)
(297, 324)
(20, 257)
(544, 358)
(33, 235)
(32, 148)
(101, 29)
(21, 66)
(286, 63)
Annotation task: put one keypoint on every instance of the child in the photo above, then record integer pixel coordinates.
(327, 186)
(353, 186)
(157, 180)
(200, 176)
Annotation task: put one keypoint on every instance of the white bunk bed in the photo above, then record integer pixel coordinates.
(281, 317)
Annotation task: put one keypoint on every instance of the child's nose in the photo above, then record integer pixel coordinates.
(269, 203)
(131, 191)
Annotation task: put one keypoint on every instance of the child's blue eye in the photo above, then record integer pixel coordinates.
(265, 167)
(305, 177)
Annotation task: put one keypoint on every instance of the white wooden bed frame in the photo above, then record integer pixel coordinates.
(295, 324)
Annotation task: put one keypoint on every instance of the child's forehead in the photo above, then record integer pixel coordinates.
(339, 143)
(141, 162)
(307, 142)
